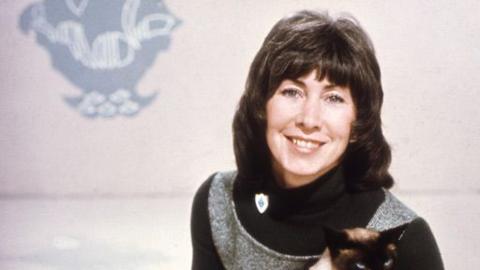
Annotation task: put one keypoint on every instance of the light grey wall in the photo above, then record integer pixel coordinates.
(429, 52)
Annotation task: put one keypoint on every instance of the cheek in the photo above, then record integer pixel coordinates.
(279, 113)
(341, 125)
(272, 118)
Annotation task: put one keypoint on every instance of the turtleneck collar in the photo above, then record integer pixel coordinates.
(321, 194)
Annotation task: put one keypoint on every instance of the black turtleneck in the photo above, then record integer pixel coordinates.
(292, 223)
(301, 202)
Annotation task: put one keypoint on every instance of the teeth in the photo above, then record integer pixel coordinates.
(305, 144)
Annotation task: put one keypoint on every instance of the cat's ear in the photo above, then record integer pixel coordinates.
(335, 239)
(394, 234)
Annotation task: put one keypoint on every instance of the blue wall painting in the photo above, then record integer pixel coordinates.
(103, 47)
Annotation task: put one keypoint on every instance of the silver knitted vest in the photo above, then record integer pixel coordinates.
(239, 250)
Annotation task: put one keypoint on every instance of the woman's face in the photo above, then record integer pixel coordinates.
(308, 128)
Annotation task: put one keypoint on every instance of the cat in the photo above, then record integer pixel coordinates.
(359, 249)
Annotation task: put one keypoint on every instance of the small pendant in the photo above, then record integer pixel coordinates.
(261, 201)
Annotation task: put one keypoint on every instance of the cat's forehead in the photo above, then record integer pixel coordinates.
(362, 235)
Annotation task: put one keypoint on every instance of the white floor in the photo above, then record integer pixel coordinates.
(110, 234)
(153, 233)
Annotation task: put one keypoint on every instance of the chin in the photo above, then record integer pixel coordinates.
(304, 172)
(307, 167)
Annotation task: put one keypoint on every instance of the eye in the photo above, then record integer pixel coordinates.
(335, 98)
(388, 263)
(292, 92)
(360, 266)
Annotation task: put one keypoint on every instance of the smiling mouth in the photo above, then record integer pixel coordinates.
(304, 144)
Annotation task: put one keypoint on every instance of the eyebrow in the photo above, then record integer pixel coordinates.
(296, 81)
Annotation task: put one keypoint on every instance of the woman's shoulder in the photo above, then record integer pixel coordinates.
(201, 208)
(200, 200)
(205, 255)
(202, 192)
(417, 247)
(218, 181)
(391, 213)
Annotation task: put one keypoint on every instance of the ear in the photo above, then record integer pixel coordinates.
(394, 234)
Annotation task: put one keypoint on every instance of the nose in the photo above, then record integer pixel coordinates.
(309, 117)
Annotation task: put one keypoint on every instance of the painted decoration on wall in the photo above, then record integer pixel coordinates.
(103, 47)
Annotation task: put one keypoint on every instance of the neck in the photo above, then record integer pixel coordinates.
(290, 180)
(308, 199)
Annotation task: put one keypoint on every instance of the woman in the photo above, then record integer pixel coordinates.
(310, 153)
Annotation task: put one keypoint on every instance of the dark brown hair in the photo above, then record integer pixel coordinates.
(341, 51)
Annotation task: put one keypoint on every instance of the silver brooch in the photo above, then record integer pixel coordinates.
(261, 201)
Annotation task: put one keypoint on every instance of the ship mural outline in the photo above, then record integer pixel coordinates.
(103, 47)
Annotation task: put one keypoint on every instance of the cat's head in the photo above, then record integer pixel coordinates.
(362, 249)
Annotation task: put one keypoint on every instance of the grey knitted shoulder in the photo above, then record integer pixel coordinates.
(236, 247)
(391, 213)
